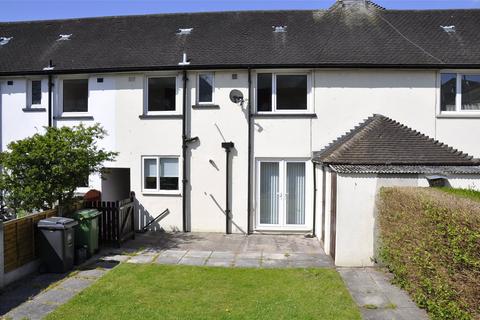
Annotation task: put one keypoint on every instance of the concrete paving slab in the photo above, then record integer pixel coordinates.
(192, 261)
(117, 258)
(75, 284)
(308, 264)
(31, 310)
(249, 255)
(275, 263)
(274, 256)
(222, 255)
(247, 263)
(167, 260)
(54, 296)
(219, 262)
(142, 259)
(173, 253)
(198, 254)
(93, 273)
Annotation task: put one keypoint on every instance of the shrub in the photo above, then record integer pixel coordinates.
(430, 241)
(45, 169)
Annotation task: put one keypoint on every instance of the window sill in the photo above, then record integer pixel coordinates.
(459, 115)
(286, 115)
(205, 106)
(34, 109)
(160, 116)
(175, 193)
(74, 117)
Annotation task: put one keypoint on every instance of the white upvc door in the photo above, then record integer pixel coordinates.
(281, 195)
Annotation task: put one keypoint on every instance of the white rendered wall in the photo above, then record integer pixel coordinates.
(356, 215)
(213, 126)
(17, 124)
(137, 137)
(344, 98)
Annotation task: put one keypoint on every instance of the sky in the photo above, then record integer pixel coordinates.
(22, 10)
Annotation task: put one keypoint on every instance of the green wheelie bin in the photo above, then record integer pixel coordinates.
(86, 232)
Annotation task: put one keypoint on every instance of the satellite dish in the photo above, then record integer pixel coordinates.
(236, 96)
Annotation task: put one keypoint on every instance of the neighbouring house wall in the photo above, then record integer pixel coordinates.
(17, 124)
(464, 181)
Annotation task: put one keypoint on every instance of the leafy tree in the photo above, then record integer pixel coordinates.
(45, 169)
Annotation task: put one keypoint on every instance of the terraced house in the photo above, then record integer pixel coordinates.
(227, 119)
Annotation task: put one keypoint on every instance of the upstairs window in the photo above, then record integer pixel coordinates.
(282, 92)
(75, 95)
(162, 94)
(460, 92)
(35, 93)
(160, 174)
(205, 88)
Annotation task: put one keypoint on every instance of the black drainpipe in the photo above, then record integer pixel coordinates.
(50, 85)
(324, 194)
(314, 233)
(184, 152)
(249, 178)
(228, 146)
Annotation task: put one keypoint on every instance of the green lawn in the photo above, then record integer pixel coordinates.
(467, 193)
(183, 292)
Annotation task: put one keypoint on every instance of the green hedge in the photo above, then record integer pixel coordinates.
(430, 241)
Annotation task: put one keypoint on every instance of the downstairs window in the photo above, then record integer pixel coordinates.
(160, 174)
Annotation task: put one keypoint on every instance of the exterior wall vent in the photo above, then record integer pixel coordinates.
(449, 29)
(279, 29)
(183, 31)
(5, 40)
(64, 37)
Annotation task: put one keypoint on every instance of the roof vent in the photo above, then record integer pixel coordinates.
(63, 37)
(185, 61)
(279, 29)
(448, 29)
(5, 40)
(183, 31)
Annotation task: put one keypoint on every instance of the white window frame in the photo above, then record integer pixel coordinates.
(283, 226)
(158, 191)
(198, 89)
(59, 83)
(30, 91)
(276, 73)
(178, 93)
(458, 97)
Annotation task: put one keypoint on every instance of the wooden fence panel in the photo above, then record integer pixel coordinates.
(19, 238)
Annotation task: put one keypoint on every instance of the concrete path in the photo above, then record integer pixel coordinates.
(39, 295)
(377, 298)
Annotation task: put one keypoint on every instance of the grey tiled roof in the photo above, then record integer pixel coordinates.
(406, 169)
(337, 37)
(382, 141)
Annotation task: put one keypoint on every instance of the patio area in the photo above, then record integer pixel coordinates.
(213, 249)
